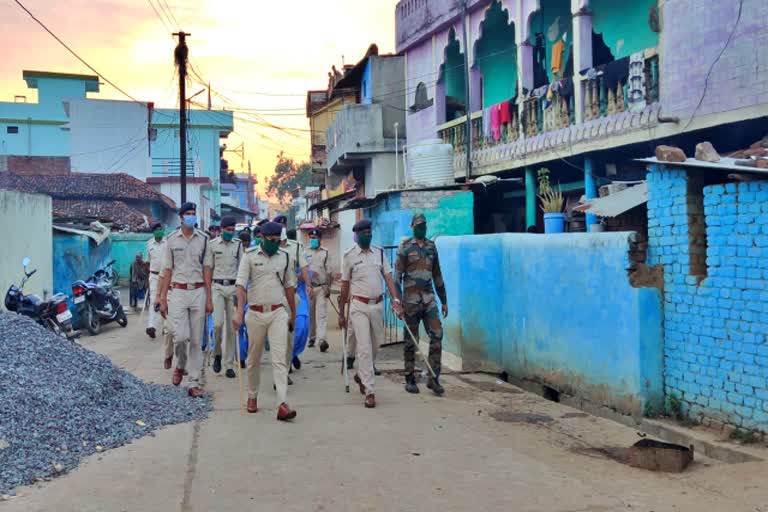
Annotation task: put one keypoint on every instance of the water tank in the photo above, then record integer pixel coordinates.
(430, 162)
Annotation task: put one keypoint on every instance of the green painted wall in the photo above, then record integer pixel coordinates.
(124, 249)
(553, 20)
(624, 25)
(496, 56)
(453, 69)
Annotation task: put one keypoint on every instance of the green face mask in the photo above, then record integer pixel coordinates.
(420, 231)
(159, 234)
(364, 240)
(227, 236)
(257, 240)
(270, 246)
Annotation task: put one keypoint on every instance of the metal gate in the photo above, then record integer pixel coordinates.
(393, 326)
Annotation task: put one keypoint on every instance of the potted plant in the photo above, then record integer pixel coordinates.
(551, 203)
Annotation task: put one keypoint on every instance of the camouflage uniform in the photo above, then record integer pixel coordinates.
(418, 269)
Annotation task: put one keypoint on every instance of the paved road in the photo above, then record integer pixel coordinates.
(485, 446)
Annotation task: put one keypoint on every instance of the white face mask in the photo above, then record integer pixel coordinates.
(284, 234)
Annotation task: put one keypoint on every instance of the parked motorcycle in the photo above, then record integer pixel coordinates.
(53, 314)
(98, 301)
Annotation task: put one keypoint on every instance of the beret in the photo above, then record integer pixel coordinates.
(281, 219)
(418, 218)
(361, 225)
(187, 206)
(228, 221)
(271, 229)
(156, 226)
(316, 232)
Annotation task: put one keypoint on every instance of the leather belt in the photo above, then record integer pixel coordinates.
(155, 273)
(188, 286)
(318, 285)
(268, 308)
(225, 282)
(366, 300)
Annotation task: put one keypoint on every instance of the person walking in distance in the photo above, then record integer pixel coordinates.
(155, 247)
(222, 261)
(191, 299)
(270, 280)
(321, 278)
(417, 270)
(362, 270)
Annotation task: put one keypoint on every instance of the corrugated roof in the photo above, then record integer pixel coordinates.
(615, 204)
(725, 164)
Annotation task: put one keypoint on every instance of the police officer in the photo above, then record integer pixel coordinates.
(191, 300)
(362, 270)
(155, 247)
(272, 285)
(222, 260)
(418, 268)
(321, 278)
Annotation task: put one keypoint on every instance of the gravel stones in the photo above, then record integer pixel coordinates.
(60, 402)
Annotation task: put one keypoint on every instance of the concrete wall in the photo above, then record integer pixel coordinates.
(76, 257)
(125, 246)
(110, 136)
(556, 309)
(386, 83)
(380, 173)
(26, 231)
(716, 358)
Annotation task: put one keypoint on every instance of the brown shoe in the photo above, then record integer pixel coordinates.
(151, 332)
(285, 413)
(196, 392)
(360, 384)
(178, 374)
(370, 401)
(252, 407)
(167, 362)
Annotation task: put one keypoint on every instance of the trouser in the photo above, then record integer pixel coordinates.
(318, 317)
(352, 343)
(260, 325)
(155, 318)
(430, 316)
(186, 309)
(166, 322)
(368, 323)
(224, 299)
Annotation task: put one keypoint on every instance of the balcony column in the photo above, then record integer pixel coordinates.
(590, 191)
(530, 197)
(582, 53)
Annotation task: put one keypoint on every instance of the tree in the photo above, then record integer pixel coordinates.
(288, 176)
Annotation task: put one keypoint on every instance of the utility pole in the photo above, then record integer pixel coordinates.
(180, 54)
(468, 130)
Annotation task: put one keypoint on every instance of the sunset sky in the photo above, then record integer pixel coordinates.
(243, 47)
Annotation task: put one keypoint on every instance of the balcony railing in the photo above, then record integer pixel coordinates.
(454, 133)
(603, 100)
(546, 112)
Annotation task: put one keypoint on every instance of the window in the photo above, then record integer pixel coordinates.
(12, 129)
(422, 98)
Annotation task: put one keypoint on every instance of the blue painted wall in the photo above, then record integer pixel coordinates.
(124, 249)
(76, 257)
(366, 92)
(557, 309)
(716, 328)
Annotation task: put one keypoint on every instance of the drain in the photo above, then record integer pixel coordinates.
(551, 394)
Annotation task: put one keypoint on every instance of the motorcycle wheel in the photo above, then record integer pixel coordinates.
(121, 319)
(92, 321)
(114, 278)
(52, 326)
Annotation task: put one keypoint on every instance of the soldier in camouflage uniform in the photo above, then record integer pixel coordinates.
(417, 269)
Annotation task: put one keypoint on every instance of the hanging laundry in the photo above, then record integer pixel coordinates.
(637, 85)
(487, 127)
(496, 122)
(558, 49)
(504, 116)
(566, 88)
(615, 72)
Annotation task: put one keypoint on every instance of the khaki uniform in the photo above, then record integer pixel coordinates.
(183, 261)
(155, 257)
(298, 260)
(224, 259)
(268, 277)
(321, 282)
(365, 270)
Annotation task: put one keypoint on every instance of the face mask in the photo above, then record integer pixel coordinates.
(257, 240)
(159, 234)
(420, 231)
(270, 246)
(190, 220)
(363, 239)
(314, 243)
(227, 236)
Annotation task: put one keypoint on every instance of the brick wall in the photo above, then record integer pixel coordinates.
(716, 356)
(36, 164)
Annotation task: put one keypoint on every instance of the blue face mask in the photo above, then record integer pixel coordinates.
(314, 243)
(190, 220)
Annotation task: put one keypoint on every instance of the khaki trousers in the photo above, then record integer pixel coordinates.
(352, 343)
(223, 310)
(186, 309)
(168, 335)
(261, 325)
(368, 324)
(155, 318)
(318, 314)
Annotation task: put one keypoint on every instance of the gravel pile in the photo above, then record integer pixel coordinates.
(60, 402)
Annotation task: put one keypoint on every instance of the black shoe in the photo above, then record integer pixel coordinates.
(230, 373)
(216, 364)
(311, 342)
(435, 386)
(324, 346)
(296, 362)
(350, 363)
(376, 371)
(410, 384)
(290, 382)
(242, 364)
